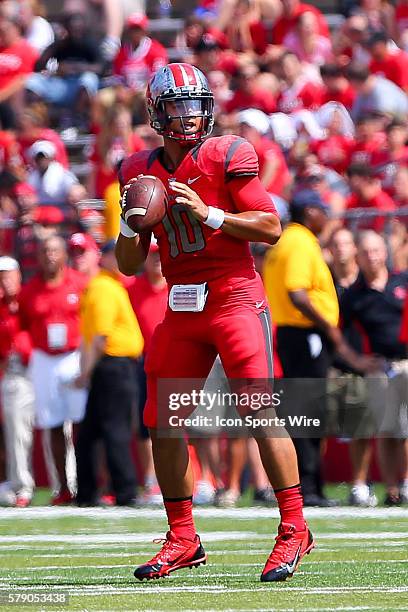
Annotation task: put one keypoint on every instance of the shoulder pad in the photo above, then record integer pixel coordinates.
(232, 155)
(135, 164)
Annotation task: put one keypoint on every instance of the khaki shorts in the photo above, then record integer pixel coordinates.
(348, 414)
(388, 400)
(216, 382)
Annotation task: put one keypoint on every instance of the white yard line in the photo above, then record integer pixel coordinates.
(212, 536)
(213, 553)
(210, 513)
(138, 589)
(87, 565)
(337, 609)
(196, 577)
(122, 538)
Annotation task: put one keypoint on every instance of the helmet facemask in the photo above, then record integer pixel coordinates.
(183, 108)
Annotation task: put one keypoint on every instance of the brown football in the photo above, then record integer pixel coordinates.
(144, 203)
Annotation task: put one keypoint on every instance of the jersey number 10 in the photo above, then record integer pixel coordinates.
(186, 228)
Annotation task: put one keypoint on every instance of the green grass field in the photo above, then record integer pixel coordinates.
(360, 563)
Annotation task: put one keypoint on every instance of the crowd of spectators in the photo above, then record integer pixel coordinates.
(326, 110)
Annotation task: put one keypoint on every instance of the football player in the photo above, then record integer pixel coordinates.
(217, 302)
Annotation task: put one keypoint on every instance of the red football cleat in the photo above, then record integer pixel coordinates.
(290, 547)
(63, 498)
(175, 554)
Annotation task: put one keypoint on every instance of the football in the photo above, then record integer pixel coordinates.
(144, 203)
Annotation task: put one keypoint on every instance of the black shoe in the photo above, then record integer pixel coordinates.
(129, 503)
(265, 496)
(312, 499)
(392, 500)
(86, 502)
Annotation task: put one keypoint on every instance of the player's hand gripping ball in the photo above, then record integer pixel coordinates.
(144, 202)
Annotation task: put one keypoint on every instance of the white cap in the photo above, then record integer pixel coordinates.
(8, 263)
(255, 118)
(42, 146)
(283, 129)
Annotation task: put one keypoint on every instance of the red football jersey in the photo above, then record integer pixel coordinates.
(190, 251)
(50, 313)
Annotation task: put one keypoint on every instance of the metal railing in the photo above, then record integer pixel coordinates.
(354, 216)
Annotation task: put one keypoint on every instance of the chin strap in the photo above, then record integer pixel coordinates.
(183, 137)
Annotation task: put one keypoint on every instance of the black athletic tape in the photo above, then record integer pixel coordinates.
(287, 488)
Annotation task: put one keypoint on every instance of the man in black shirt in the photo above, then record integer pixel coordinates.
(347, 387)
(77, 61)
(375, 301)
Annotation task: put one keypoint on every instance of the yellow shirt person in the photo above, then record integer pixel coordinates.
(106, 311)
(111, 342)
(305, 309)
(112, 210)
(296, 263)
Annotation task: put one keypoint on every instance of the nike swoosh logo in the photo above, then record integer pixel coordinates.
(259, 304)
(292, 566)
(190, 181)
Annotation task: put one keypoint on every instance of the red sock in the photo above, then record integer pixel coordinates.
(180, 517)
(290, 502)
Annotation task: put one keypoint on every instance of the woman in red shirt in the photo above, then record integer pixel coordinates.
(114, 141)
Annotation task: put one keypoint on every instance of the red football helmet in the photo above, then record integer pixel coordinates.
(187, 87)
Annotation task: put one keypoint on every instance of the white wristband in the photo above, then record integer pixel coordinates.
(125, 230)
(216, 217)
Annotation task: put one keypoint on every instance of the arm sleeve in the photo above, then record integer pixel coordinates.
(248, 194)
